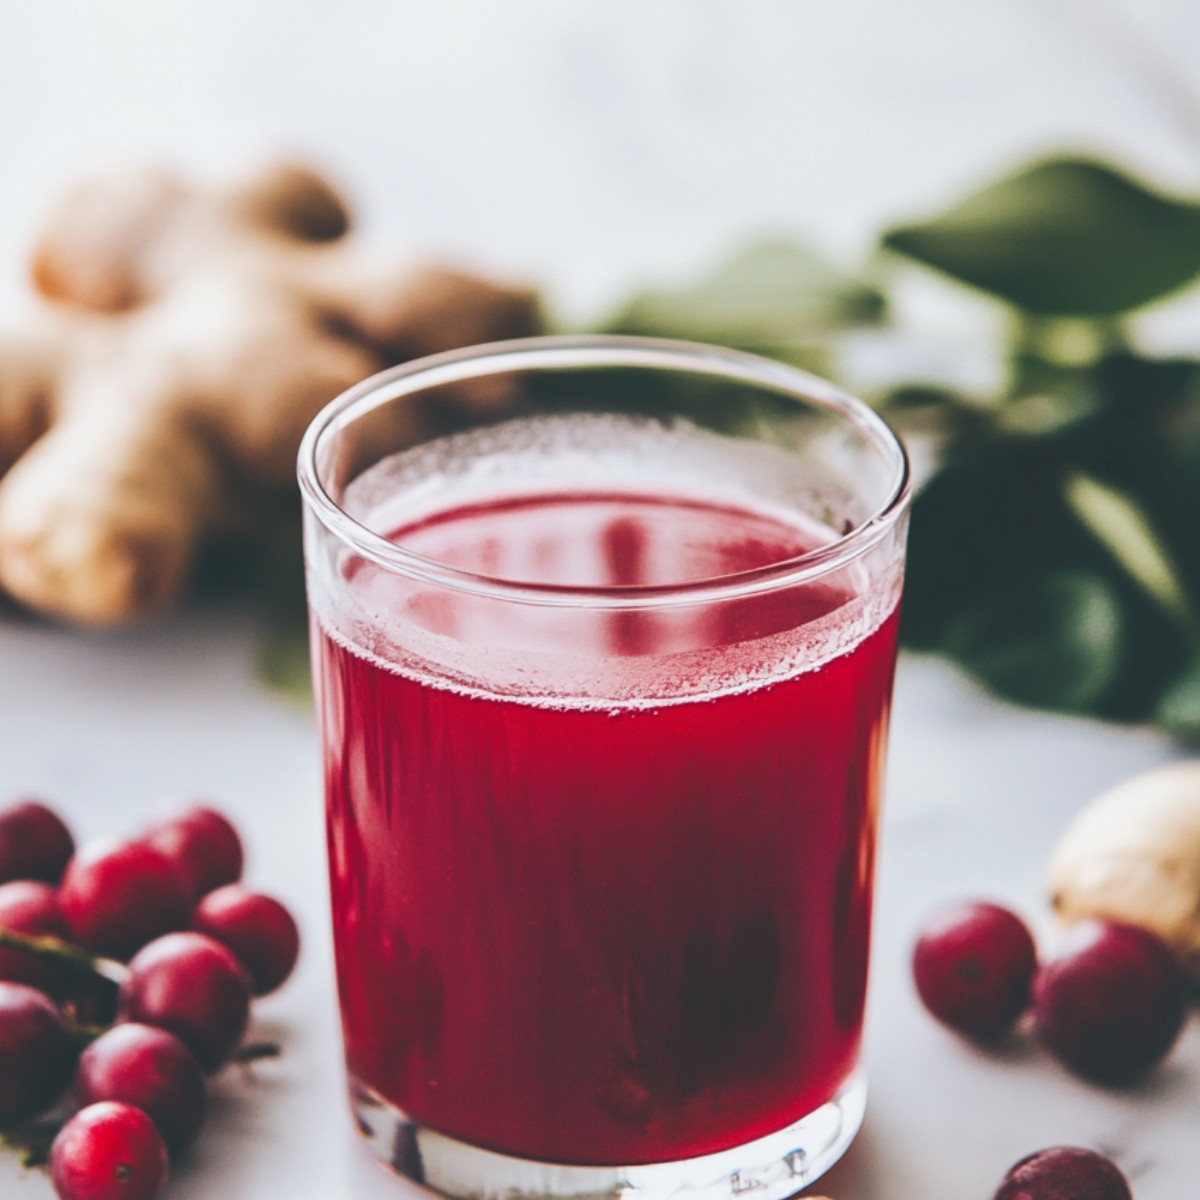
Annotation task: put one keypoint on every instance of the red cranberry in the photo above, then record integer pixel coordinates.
(258, 929)
(31, 908)
(151, 1069)
(36, 1053)
(1112, 1004)
(1064, 1173)
(195, 988)
(204, 846)
(974, 966)
(34, 843)
(109, 1151)
(118, 896)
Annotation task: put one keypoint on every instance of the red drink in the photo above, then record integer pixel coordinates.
(602, 879)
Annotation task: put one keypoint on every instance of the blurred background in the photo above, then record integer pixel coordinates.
(589, 146)
(593, 149)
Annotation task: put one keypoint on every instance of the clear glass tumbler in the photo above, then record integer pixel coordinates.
(603, 683)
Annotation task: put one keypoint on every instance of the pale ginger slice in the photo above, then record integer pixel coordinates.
(190, 338)
(1133, 854)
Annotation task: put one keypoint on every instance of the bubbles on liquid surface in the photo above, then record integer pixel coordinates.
(606, 502)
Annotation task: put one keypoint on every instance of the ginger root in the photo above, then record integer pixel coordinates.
(1133, 855)
(185, 338)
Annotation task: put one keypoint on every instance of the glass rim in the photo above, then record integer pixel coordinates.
(602, 351)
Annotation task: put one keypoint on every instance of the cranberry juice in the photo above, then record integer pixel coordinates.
(619, 926)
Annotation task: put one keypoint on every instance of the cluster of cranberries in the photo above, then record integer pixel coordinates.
(165, 915)
(1109, 1006)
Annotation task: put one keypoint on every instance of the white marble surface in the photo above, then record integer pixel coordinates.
(588, 145)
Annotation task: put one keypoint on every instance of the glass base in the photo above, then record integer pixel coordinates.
(772, 1167)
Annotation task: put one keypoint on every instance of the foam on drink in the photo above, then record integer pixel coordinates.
(599, 502)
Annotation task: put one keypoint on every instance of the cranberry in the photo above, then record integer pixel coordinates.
(195, 988)
(1064, 1173)
(31, 908)
(204, 846)
(118, 896)
(36, 1053)
(34, 843)
(974, 967)
(1112, 1004)
(257, 928)
(109, 1151)
(151, 1069)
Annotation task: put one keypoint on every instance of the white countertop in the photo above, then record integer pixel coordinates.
(114, 729)
(591, 145)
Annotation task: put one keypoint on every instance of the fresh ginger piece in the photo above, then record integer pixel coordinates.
(187, 338)
(1133, 854)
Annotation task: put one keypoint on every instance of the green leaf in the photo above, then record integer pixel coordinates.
(1118, 522)
(283, 662)
(1054, 642)
(1068, 236)
(1040, 414)
(1178, 708)
(775, 297)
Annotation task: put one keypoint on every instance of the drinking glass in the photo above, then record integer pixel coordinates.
(602, 680)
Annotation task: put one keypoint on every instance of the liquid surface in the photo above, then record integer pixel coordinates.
(604, 935)
(599, 540)
(595, 539)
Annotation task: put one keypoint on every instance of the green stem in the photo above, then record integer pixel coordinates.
(31, 1141)
(1066, 342)
(254, 1051)
(75, 957)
